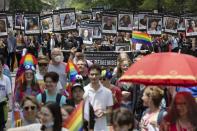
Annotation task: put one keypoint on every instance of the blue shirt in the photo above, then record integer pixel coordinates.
(50, 98)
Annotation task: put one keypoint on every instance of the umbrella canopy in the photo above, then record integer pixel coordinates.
(163, 69)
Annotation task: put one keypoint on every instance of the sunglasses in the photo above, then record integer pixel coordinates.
(42, 64)
(30, 67)
(29, 107)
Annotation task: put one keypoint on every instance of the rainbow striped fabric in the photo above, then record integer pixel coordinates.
(71, 70)
(75, 120)
(141, 37)
(28, 59)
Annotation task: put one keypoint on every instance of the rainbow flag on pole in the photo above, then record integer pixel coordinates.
(75, 120)
(141, 37)
(71, 70)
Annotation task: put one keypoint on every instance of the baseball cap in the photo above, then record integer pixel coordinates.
(106, 74)
(77, 85)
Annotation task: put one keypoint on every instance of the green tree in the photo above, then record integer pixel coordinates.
(177, 6)
(26, 5)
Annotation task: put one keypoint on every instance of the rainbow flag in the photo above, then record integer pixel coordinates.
(72, 71)
(141, 37)
(75, 120)
(28, 59)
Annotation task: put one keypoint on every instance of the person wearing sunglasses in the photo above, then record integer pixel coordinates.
(30, 108)
(50, 118)
(43, 63)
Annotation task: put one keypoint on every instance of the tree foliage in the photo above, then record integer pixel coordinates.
(26, 5)
(164, 5)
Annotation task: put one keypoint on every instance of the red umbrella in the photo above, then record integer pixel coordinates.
(163, 69)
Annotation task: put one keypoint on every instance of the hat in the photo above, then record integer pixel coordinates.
(43, 59)
(28, 62)
(106, 74)
(77, 85)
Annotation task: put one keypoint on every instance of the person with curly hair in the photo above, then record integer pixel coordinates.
(182, 114)
(152, 116)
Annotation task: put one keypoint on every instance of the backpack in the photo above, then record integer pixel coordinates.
(44, 97)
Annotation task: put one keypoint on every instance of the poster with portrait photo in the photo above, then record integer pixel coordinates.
(96, 25)
(122, 47)
(86, 34)
(19, 21)
(3, 26)
(181, 25)
(142, 21)
(10, 21)
(68, 20)
(154, 25)
(135, 22)
(56, 21)
(32, 24)
(86, 15)
(125, 22)
(170, 24)
(97, 14)
(46, 23)
(191, 26)
(109, 24)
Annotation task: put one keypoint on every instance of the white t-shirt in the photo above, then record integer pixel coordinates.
(100, 99)
(5, 88)
(32, 127)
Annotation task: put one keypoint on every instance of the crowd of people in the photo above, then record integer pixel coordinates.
(42, 98)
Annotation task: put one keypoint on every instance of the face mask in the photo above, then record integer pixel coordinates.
(58, 58)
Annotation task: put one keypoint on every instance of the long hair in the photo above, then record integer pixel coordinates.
(57, 116)
(191, 105)
(119, 70)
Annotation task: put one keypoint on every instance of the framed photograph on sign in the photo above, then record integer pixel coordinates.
(97, 32)
(122, 47)
(19, 21)
(181, 25)
(86, 34)
(3, 27)
(125, 22)
(47, 24)
(109, 24)
(56, 22)
(143, 18)
(97, 14)
(191, 26)
(154, 25)
(135, 22)
(170, 24)
(32, 25)
(10, 21)
(68, 21)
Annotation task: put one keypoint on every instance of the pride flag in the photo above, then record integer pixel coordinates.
(71, 70)
(141, 37)
(75, 120)
(28, 59)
